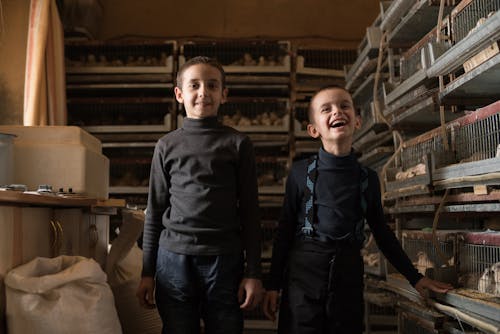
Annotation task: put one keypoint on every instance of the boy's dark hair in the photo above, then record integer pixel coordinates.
(328, 87)
(200, 60)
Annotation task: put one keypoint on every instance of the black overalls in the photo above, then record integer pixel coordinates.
(324, 280)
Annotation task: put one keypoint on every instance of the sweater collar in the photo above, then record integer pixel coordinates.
(200, 123)
(328, 159)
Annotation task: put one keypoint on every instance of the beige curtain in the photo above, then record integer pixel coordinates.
(44, 85)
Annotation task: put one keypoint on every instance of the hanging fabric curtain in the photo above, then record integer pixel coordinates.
(44, 85)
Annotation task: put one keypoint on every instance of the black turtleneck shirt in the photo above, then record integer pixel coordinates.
(203, 196)
(337, 202)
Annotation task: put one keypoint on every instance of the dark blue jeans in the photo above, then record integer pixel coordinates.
(190, 288)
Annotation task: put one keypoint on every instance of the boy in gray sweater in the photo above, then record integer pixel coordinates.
(202, 219)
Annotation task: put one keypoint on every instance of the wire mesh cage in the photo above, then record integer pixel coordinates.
(300, 119)
(256, 115)
(480, 262)
(415, 59)
(104, 56)
(129, 167)
(478, 134)
(241, 56)
(121, 114)
(271, 174)
(324, 61)
(469, 14)
(427, 253)
(374, 261)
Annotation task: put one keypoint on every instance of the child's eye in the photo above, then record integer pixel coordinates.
(193, 86)
(323, 110)
(345, 106)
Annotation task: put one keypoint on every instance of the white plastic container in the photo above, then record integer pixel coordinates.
(60, 156)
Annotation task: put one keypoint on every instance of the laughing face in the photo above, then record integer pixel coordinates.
(333, 118)
(202, 91)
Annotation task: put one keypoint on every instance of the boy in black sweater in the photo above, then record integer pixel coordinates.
(202, 215)
(316, 253)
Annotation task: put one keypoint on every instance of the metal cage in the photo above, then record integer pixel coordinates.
(426, 254)
(480, 261)
(468, 14)
(256, 115)
(240, 55)
(97, 56)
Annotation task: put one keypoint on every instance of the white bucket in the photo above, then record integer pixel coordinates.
(6, 159)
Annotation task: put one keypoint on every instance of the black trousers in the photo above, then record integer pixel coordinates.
(324, 292)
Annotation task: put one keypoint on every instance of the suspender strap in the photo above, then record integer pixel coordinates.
(312, 173)
(359, 234)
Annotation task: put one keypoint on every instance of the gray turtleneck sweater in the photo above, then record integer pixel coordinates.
(337, 209)
(203, 196)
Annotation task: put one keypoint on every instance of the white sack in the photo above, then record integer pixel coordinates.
(66, 294)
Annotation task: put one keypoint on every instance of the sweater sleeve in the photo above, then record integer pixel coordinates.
(158, 205)
(249, 209)
(385, 238)
(285, 233)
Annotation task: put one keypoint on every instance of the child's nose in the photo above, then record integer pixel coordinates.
(203, 90)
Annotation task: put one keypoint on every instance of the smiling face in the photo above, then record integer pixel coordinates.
(333, 119)
(202, 91)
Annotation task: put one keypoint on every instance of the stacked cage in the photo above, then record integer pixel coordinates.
(253, 68)
(470, 65)
(305, 145)
(480, 263)
(317, 68)
(122, 92)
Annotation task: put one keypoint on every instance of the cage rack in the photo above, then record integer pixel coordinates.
(118, 115)
(130, 164)
(434, 258)
(416, 319)
(253, 114)
(476, 140)
(480, 262)
(472, 63)
(237, 56)
(468, 13)
(413, 65)
(372, 123)
(373, 259)
(417, 22)
(366, 60)
(380, 313)
(300, 119)
(120, 57)
(323, 62)
(271, 173)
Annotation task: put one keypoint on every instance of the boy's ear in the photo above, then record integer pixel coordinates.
(358, 123)
(224, 96)
(178, 95)
(311, 130)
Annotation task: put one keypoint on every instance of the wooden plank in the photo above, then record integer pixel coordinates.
(468, 181)
(467, 169)
(481, 57)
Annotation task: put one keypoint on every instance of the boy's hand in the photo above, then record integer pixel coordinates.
(250, 293)
(426, 283)
(145, 292)
(270, 304)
